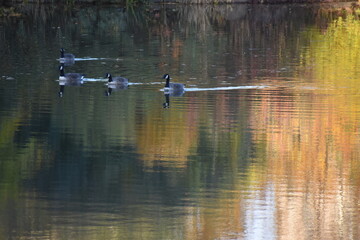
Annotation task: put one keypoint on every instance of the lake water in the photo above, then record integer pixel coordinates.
(263, 144)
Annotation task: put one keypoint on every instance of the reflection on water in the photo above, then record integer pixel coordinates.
(262, 144)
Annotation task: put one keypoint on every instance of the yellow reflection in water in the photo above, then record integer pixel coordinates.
(312, 149)
(333, 57)
(313, 140)
(166, 140)
(309, 141)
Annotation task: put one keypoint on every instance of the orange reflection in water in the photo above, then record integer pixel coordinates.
(312, 150)
(167, 140)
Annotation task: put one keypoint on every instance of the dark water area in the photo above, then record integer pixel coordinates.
(263, 143)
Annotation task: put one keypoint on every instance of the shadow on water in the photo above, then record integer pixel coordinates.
(112, 88)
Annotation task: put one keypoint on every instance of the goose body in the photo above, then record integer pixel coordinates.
(176, 89)
(117, 82)
(66, 58)
(68, 79)
(73, 79)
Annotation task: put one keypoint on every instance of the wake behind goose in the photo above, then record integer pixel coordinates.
(223, 88)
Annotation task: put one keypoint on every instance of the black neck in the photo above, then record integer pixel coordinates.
(62, 72)
(61, 54)
(167, 82)
(110, 78)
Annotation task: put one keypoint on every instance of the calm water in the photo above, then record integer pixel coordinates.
(263, 144)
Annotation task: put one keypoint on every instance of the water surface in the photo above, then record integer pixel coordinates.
(263, 144)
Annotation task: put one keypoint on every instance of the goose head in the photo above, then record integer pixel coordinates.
(62, 51)
(108, 76)
(61, 69)
(167, 78)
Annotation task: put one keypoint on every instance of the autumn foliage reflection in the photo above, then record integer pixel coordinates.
(281, 160)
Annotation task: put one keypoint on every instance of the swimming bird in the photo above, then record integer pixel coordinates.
(117, 82)
(66, 58)
(176, 89)
(69, 79)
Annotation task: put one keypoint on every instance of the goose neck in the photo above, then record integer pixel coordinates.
(167, 85)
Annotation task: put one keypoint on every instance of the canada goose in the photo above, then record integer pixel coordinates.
(117, 82)
(172, 86)
(175, 89)
(69, 79)
(66, 58)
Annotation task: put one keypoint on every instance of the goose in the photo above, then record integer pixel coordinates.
(69, 79)
(67, 58)
(117, 82)
(176, 89)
